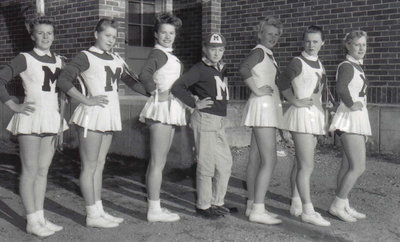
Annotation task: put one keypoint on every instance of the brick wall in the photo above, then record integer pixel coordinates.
(116, 9)
(380, 18)
(188, 42)
(75, 21)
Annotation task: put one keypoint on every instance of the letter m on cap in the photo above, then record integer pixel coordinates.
(215, 39)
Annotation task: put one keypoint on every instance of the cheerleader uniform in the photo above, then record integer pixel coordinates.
(100, 72)
(39, 71)
(351, 87)
(263, 111)
(160, 72)
(305, 74)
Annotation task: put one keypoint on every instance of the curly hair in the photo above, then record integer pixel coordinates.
(104, 23)
(355, 34)
(40, 20)
(269, 20)
(314, 29)
(167, 18)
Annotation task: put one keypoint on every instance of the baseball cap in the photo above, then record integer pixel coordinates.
(215, 40)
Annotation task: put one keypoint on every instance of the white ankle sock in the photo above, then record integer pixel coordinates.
(92, 211)
(154, 204)
(40, 215)
(308, 208)
(346, 203)
(296, 201)
(339, 202)
(258, 207)
(249, 204)
(31, 218)
(99, 205)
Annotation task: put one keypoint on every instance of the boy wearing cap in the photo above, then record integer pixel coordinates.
(207, 80)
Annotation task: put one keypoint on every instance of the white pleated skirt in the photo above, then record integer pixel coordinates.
(309, 120)
(96, 118)
(44, 120)
(356, 122)
(264, 111)
(171, 112)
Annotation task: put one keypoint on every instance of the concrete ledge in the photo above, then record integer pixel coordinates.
(133, 140)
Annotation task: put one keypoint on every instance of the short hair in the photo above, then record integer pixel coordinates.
(167, 18)
(40, 20)
(355, 34)
(269, 20)
(314, 29)
(104, 23)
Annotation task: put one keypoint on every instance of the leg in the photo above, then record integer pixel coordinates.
(47, 149)
(223, 168)
(305, 147)
(296, 208)
(98, 177)
(351, 169)
(160, 142)
(46, 153)
(101, 160)
(161, 136)
(89, 149)
(344, 167)
(29, 154)
(354, 149)
(251, 172)
(266, 142)
(29, 146)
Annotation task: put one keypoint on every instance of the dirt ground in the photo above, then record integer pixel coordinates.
(377, 193)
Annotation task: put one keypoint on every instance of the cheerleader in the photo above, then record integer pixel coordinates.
(100, 70)
(36, 121)
(301, 84)
(263, 112)
(351, 123)
(162, 111)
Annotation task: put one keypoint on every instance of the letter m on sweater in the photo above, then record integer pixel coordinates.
(221, 86)
(111, 77)
(49, 76)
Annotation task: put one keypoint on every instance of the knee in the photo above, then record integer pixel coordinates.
(89, 167)
(156, 165)
(42, 171)
(29, 170)
(307, 168)
(359, 170)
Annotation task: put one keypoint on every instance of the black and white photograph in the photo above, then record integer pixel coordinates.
(200, 120)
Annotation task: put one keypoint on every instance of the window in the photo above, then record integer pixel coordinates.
(140, 22)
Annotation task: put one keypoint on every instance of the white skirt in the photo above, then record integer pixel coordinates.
(171, 112)
(264, 111)
(309, 120)
(356, 122)
(98, 118)
(44, 120)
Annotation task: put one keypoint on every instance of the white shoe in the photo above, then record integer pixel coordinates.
(274, 215)
(263, 218)
(354, 213)
(315, 218)
(111, 218)
(162, 215)
(295, 210)
(38, 229)
(248, 211)
(100, 222)
(342, 214)
(52, 226)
